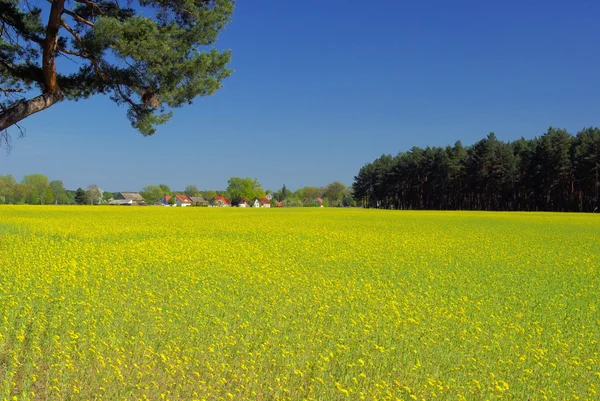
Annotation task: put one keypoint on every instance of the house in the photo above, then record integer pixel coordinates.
(279, 204)
(269, 196)
(244, 203)
(220, 201)
(164, 200)
(182, 200)
(261, 202)
(198, 201)
(314, 202)
(127, 199)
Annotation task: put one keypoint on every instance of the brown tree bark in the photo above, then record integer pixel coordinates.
(52, 94)
(23, 109)
(50, 45)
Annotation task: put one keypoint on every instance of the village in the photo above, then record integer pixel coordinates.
(182, 200)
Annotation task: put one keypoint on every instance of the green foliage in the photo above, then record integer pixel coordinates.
(48, 197)
(152, 193)
(247, 188)
(172, 201)
(37, 184)
(58, 192)
(555, 172)
(191, 190)
(165, 189)
(292, 202)
(2, 200)
(334, 192)
(80, 196)
(310, 193)
(151, 57)
(209, 194)
(32, 198)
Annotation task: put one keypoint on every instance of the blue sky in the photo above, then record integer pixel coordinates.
(322, 87)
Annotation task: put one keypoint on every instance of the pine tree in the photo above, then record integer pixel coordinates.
(147, 57)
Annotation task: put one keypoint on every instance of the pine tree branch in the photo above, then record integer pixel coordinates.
(78, 18)
(91, 4)
(23, 109)
(86, 56)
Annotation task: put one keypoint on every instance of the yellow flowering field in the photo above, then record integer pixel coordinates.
(116, 303)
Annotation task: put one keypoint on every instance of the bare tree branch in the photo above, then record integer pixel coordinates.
(78, 18)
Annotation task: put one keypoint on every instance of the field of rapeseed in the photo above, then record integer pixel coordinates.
(297, 304)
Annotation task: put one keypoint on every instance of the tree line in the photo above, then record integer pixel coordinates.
(37, 189)
(557, 171)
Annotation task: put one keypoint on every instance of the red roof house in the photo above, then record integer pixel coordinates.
(220, 201)
(182, 200)
(261, 202)
(164, 200)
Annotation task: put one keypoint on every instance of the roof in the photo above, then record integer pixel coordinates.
(166, 198)
(279, 204)
(264, 201)
(319, 200)
(222, 199)
(244, 200)
(197, 199)
(183, 198)
(134, 196)
(119, 202)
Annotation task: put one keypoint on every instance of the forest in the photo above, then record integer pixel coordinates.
(557, 171)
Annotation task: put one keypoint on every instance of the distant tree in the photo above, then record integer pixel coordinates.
(292, 202)
(58, 191)
(80, 196)
(282, 194)
(93, 194)
(20, 193)
(69, 198)
(587, 169)
(335, 192)
(7, 187)
(348, 201)
(165, 189)
(37, 184)
(152, 193)
(107, 196)
(32, 198)
(2, 200)
(172, 201)
(191, 190)
(209, 194)
(555, 172)
(48, 198)
(248, 188)
(310, 193)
